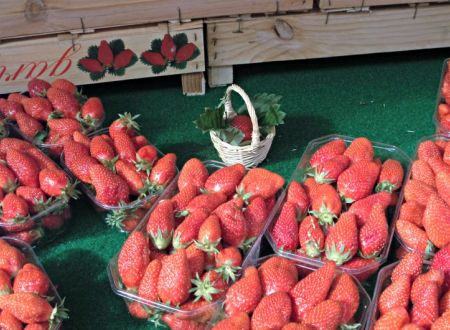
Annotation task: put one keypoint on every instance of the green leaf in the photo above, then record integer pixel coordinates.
(231, 135)
(117, 46)
(155, 46)
(273, 117)
(179, 66)
(156, 69)
(97, 76)
(180, 40)
(93, 51)
(211, 119)
(120, 72)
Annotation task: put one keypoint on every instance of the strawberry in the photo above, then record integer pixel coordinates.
(80, 167)
(110, 188)
(360, 149)
(413, 237)
(153, 58)
(411, 326)
(226, 179)
(124, 147)
(105, 54)
(92, 111)
(418, 191)
(239, 321)
(341, 243)
(297, 326)
(17, 97)
(37, 87)
(12, 143)
(133, 259)
(427, 150)
(29, 126)
(245, 294)
(37, 107)
(436, 221)
(256, 215)
(9, 322)
(53, 221)
(210, 287)
(410, 265)
(412, 212)
(174, 278)
(391, 176)
(182, 198)
(312, 290)
(244, 124)
(9, 109)
(261, 182)
(446, 157)
(128, 173)
(441, 143)
(272, 312)
(63, 102)
(362, 208)
(311, 237)
(138, 310)
(11, 259)
(209, 234)
(65, 85)
(35, 198)
(188, 230)
(102, 151)
(204, 316)
(125, 123)
(329, 171)
(277, 274)
(64, 126)
(443, 185)
(56, 183)
(420, 170)
(41, 159)
(346, 292)
(232, 222)
(311, 187)
(373, 235)
(327, 151)
(146, 156)
(285, 230)
(444, 303)
(209, 202)
(148, 286)
(394, 319)
(185, 52)
(228, 262)
(326, 204)
(175, 323)
(426, 310)
(140, 141)
(438, 165)
(91, 65)
(422, 282)
(8, 180)
(73, 150)
(123, 59)
(5, 283)
(441, 260)
(164, 170)
(196, 260)
(161, 224)
(395, 295)
(31, 279)
(296, 194)
(24, 167)
(442, 323)
(193, 173)
(14, 209)
(325, 315)
(358, 180)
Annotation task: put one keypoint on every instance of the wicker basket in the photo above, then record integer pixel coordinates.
(249, 155)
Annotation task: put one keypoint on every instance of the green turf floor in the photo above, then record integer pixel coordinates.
(388, 98)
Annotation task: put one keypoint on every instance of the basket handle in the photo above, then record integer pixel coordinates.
(229, 111)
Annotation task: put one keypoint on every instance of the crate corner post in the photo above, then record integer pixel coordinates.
(220, 76)
(193, 83)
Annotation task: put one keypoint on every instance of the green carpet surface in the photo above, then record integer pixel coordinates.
(388, 98)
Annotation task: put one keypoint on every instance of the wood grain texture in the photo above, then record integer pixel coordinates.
(57, 16)
(341, 4)
(193, 83)
(325, 35)
(53, 57)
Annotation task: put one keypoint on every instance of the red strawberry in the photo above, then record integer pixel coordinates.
(14, 209)
(239, 321)
(34, 197)
(65, 85)
(228, 262)
(188, 230)
(127, 172)
(358, 180)
(426, 310)
(133, 260)
(146, 156)
(161, 224)
(37, 107)
(209, 202)
(396, 318)
(63, 101)
(326, 315)
(232, 222)
(37, 87)
(373, 235)
(8, 180)
(277, 274)
(441, 260)
(175, 323)
(327, 151)
(413, 237)
(391, 176)
(436, 221)
(312, 290)
(418, 191)
(5, 283)
(164, 170)
(125, 123)
(64, 126)
(92, 111)
(297, 326)
(442, 323)
(420, 170)
(110, 188)
(296, 194)
(362, 208)
(438, 165)
(446, 156)
(53, 221)
(193, 173)
(196, 260)
(56, 183)
(74, 150)
(185, 53)
(326, 204)
(140, 141)
(443, 185)
(273, 311)
(285, 230)
(12, 143)
(244, 124)
(329, 171)
(24, 167)
(261, 182)
(311, 187)
(370, 266)
(311, 237)
(226, 179)
(174, 279)
(124, 147)
(412, 212)
(102, 151)
(345, 291)
(444, 303)
(270, 204)
(168, 47)
(80, 167)
(123, 59)
(245, 294)
(341, 243)
(11, 259)
(209, 234)
(41, 159)
(138, 310)
(410, 265)
(29, 126)
(91, 65)
(211, 287)
(395, 295)
(256, 215)
(360, 149)
(422, 282)
(9, 109)
(183, 197)
(153, 58)
(31, 279)
(105, 54)
(9, 322)
(16, 97)
(427, 150)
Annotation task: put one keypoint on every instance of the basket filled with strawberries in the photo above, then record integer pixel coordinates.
(278, 293)
(244, 135)
(412, 294)
(338, 204)
(52, 114)
(28, 298)
(35, 193)
(442, 115)
(199, 234)
(423, 223)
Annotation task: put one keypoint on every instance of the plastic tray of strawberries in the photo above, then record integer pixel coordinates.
(13, 264)
(206, 311)
(441, 117)
(42, 223)
(416, 232)
(361, 268)
(270, 286)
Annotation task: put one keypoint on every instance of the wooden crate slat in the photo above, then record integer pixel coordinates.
(344, 4)
(318, 35)
(67, 15)
(55, 57)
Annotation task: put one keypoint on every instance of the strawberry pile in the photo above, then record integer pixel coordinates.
(31, 183)
(443, 112)
(424, 221)
(52, 113)
(274, 297)
(195, 238)
(120, 166)
(25, 290)
(413, 298)
(339, 213)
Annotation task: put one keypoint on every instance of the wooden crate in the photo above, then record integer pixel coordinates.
(316, 35)
(65, 56)
(31, 17)
(359, 4)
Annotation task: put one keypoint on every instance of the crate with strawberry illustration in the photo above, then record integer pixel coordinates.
(339, 204)
(412, 294)
(423, 221)
(211, 235)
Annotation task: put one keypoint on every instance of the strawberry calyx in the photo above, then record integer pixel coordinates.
(247, 244)
(176, 243)
(321, 177)
(55, 115)
(5, 292)
(59, 312)
(115, 218)
(3, 129)
(240, 193)
(203, 289)
(143, 165)
(110, 163)
(208, 246)
(69, 192)
(88, 121)
(345, 200)
(312, 248)
(374, 255)
(182, 214)
(10, 186)
(325, 217)
(350, 326)
(129, 121)
(338, 256)
(155, 317)
(149, 188)
(227, 271)
(385, 186)
(161, 240)
(40, 137)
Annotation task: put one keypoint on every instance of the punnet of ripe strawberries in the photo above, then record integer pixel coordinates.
(443, 111)
(26, 293)
(414, 295)
(424, 221)
(52, 113)
(339, 212)
(191, 247)
(34, 192)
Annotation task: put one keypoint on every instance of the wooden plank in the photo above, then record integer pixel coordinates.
(344, 4)
(220, 76)
(318, 35)
(57, 16)
(193, 83)
(52, 57)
